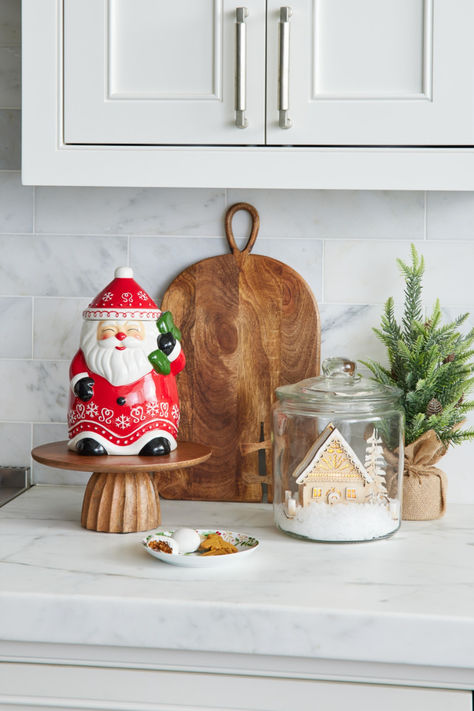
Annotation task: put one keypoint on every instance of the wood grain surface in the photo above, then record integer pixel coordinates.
(56, 454)
(250, 323)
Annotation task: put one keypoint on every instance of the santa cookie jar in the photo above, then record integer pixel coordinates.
(123, 397)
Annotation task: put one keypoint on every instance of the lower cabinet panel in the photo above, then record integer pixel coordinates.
(25, 687)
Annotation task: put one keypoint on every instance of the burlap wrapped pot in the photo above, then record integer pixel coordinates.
(424, 485)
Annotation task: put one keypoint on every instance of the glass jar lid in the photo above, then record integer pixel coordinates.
(340, 388)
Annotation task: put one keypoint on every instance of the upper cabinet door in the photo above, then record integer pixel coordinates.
(149, 72)
(371, 72)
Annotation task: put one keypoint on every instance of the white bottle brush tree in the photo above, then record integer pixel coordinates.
(375, 465)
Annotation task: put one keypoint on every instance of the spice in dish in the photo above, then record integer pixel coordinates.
(160, 546)
(214, 544)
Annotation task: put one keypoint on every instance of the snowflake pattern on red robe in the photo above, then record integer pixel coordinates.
(150, 403)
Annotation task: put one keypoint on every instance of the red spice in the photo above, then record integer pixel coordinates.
(160, 546)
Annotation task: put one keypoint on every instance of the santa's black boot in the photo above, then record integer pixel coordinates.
(155, 447)
(89, 447)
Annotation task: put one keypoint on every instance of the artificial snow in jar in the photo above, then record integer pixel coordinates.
(338, 456)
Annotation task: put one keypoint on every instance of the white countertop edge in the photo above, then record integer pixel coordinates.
(252, 629)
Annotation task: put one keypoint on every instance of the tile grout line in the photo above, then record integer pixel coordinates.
(33, 297)
(32, 422)
(54, 297)
(33, 312)
(36, 360)
(323, 259)
(34, 210)
(290, 240)
(425, 225)
(32, 461)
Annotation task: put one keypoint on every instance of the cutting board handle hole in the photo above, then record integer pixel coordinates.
(254, 226)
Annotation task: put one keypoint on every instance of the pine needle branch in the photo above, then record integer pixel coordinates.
(431, 363)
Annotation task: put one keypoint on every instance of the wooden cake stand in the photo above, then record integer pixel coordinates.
(122, 494)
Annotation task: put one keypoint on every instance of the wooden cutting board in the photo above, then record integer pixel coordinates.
(249, 323)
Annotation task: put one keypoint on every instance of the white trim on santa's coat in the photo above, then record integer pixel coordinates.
(175, 352)
(78, 377)
(134, 448)
(110, 314)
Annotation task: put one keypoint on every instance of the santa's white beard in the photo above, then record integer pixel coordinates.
(118, 367)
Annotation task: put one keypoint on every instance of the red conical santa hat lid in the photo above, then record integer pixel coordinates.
(122, 299)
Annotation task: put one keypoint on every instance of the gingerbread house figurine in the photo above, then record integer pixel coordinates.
(331, 472)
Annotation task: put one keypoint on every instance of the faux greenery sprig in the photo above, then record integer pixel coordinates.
(430, 363)
(158, 359)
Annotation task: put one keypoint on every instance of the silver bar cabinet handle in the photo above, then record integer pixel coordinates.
(284, 74)
(241, 13)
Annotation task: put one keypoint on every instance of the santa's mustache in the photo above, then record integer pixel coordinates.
(114, 342)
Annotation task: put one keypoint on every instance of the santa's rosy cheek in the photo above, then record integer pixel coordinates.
(135, 334)
(106, 335)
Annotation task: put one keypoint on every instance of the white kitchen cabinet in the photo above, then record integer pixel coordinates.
(147, 72)
(222, 93)
(375, 72)
(361, 72)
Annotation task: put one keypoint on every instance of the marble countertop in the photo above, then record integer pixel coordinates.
(407, 599)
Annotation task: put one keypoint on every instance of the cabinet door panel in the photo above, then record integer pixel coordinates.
(145, 72)
(375, 72)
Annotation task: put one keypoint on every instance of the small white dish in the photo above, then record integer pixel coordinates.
(244, 544)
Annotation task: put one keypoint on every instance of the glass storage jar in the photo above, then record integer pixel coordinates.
(338, 456)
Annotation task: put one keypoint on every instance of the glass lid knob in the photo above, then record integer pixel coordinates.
(339, 367)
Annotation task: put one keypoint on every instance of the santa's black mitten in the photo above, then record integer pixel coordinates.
(166, 342)
(83, 389)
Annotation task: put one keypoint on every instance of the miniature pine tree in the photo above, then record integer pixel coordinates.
(429, 362)
(375, 462)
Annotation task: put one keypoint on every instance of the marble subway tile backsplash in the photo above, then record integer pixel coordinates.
(10, 133)
(366, 272)
(10, 18)
(10, 69)
(142, 211)
(347, 330)
(33, 390)
(16, 205)
(17, 312)
(57, 343)
(337, 214)
(52, 265)
(15, 444)
(450, 216)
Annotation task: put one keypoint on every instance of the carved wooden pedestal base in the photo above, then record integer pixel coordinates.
(121, 503)
(122, 496)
